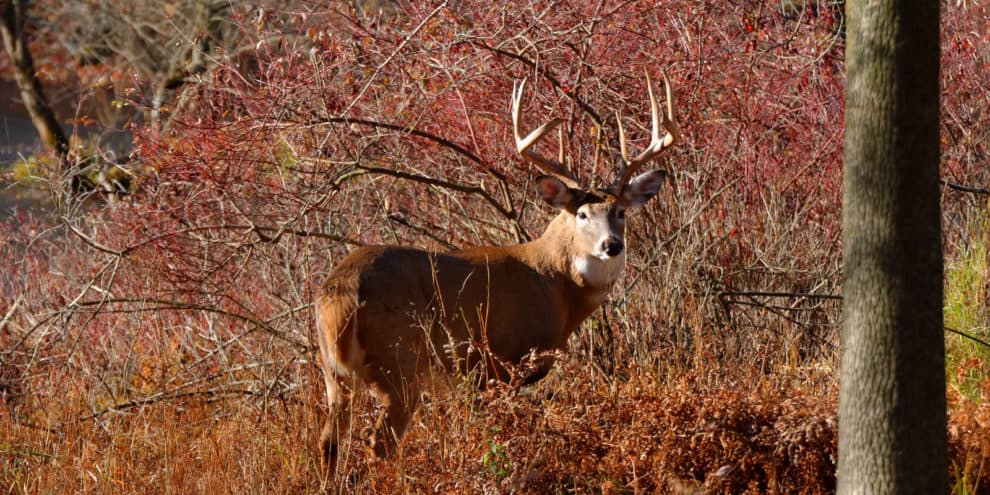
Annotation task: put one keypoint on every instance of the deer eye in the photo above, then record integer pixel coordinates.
(582, 215)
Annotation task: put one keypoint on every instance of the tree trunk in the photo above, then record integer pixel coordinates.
(15, 44)
(892, 418)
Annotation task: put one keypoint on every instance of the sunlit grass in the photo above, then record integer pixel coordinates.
(967, 278)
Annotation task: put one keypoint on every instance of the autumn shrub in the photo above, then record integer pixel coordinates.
(379, 118)
(564, 437)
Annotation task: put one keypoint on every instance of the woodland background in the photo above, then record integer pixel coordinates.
(155, 325)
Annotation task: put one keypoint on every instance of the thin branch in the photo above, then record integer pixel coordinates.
(420, 230)
(388, 59)
(959, 187)
(404, 129)
(259, 230)
(10, 313)
(170, 305)
(546, 74)
(801, 295)
(454, 186)
(163, 396)
(90, 242)
(759, 304)
(968, 336)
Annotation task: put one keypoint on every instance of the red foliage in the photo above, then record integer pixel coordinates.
(426, 93)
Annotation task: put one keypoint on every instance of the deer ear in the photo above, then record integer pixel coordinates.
(643, 187)
(554, 192)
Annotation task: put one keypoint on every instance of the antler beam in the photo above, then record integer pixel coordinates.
(657, 144)
(524, 145)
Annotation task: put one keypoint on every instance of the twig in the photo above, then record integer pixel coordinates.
(259, 230)
(171, 305)
(163, 396)
(391, 56)
(802, 295)
(546, 74)
(92, 243)
(454, 186)
(760, 304)
(959, 187)
(25, 453)
(968, 336)
(400, 128)
(10, 312)
(503, 210)
(420, 230)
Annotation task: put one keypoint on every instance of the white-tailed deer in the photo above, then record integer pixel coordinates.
(388, 317)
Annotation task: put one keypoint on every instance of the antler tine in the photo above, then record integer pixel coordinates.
(523, 145)
(657, 144)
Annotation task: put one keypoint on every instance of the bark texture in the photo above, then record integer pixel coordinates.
(16, 45)
(892, 418)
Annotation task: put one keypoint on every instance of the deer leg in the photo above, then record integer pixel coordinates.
(337, 425)
(397, 383)
(398, 406)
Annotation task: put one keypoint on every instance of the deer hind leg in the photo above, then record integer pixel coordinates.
(337, 426)
(340, 356)
(397, 410)
(397, 389)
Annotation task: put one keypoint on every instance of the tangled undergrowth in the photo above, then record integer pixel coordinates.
(577, 432)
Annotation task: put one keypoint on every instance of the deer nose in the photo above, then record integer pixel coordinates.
(612, 246)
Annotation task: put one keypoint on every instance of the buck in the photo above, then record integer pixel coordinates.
(389, 317)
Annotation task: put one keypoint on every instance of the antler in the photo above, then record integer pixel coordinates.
(657, 145)
(547, 165)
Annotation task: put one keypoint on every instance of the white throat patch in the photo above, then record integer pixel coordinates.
(598, 273)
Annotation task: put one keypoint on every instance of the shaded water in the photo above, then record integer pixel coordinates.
(17, 134)
(18, 139)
